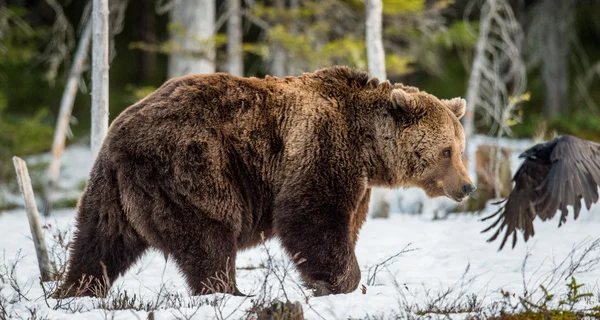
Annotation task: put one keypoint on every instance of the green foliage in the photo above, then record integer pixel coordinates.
(331, 32)
(300, 45)
(577, 123)
(22, 83)
(65, 203)
(25, 136)
(137, 93)
(20, 42)
(393, 7)
(25, 128)
(21, 137)
(460, 34)
(19, 91)
(566, 307)
(347, 50)
(171, 46)
(398, 65)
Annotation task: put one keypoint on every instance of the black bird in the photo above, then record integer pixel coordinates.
(554, 175)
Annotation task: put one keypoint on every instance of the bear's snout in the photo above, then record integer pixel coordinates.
(468, 188)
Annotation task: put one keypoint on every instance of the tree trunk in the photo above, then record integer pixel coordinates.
(235, 63)
(66, 107)
(278, 58)
(99, 74)
(193, 36)
(293, 68)
(376, 63)
(145, 31)
(374, 41)
(555, 69)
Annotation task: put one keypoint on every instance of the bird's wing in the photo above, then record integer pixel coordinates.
(519, 210)
(575, 174)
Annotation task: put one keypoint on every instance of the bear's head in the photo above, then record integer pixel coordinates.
(421, 142)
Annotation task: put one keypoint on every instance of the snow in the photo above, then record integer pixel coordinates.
(442, 254)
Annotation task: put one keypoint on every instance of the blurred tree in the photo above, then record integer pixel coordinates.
(376, 64)
(235, 62)
(144, 31)
(551, 34)
(277, 56)
(496, 88)
(100, 67)
(192, 31)
(375, 52)
(293, 68)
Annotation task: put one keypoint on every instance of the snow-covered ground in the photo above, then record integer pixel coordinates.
(446, 254)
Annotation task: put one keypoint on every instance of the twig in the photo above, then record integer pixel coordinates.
(374, 269)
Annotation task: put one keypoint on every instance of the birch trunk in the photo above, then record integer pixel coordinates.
(293, 66)
(195, 51)
(235, 63)
(277, 54)
(376, 63)
(555, 47)
(374, 41)
(99, 74)
(64, 115)
(34, 219)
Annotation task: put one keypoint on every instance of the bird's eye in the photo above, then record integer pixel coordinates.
(446, 153)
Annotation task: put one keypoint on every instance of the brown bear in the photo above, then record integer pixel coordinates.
(203, 166)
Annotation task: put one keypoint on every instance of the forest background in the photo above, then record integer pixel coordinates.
(430, 44)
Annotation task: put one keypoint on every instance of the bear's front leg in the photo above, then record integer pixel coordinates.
(313, 222)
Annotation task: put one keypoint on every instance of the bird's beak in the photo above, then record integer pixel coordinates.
(525, 154)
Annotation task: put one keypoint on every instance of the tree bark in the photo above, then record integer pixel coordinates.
(374, 41)
(64, 115)
(99, 74)
(376, 63)
(293, 68)
(235, 63)
(193, 36)
(145, 31)
(278, 58)
(555, 44)
(34, 219)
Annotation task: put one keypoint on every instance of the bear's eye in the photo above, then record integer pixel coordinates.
(418, 154)
(446, 153)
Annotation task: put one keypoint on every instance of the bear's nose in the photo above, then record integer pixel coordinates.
(468, 188)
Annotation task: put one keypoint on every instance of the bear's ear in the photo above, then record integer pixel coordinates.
(403, 100)
(456, 105)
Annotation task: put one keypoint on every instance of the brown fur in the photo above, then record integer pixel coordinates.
(202, 166)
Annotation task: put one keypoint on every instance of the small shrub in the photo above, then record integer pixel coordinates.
(124, 301)
(277, 310)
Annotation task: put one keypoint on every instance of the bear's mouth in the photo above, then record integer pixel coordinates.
(456, 198)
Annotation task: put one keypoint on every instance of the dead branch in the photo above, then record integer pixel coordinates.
(34, 219)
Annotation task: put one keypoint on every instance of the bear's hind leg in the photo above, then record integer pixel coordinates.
(105, 244)
(207, 258)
